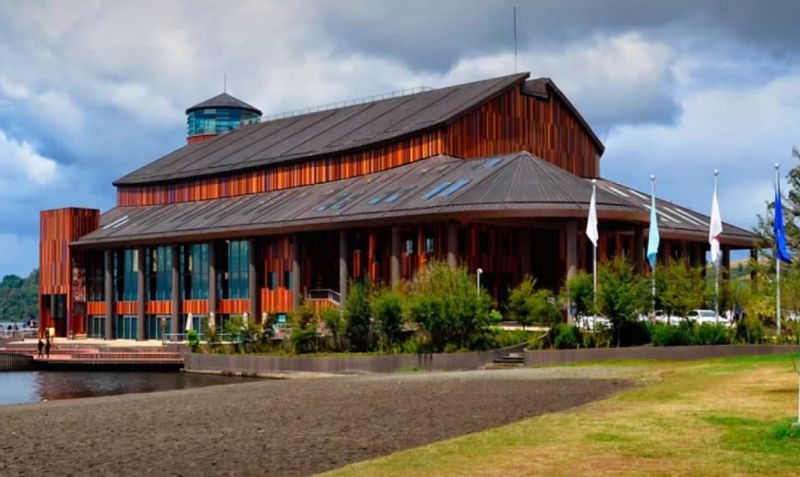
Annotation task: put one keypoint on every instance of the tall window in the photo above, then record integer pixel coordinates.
(95, 282)
(194, 271)
(158, 268)
(126, 269)
(233, 282)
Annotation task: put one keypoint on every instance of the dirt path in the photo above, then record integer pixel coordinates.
(287, 428)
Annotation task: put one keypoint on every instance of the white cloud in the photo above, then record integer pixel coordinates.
(20, 254)
(22, 169)
(740, 130)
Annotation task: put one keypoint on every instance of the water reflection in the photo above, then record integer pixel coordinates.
(34, 386)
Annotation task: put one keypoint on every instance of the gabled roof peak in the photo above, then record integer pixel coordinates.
(223, 100)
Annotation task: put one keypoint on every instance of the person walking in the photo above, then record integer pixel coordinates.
(47, 347)
(40, 346)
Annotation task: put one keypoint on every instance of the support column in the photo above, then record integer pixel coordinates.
(753, 276)
(452, 245)
(252, 280)
(343, 275)
(394, 261)
(140, 297)
(572, 257)
(108, 292)
(638, 250)
(524, 241)
(176, 291)
(296, 270)
(212, 282)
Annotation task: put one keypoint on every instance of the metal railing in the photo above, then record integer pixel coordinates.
(19, 334)
(349, 102)
(325, 294)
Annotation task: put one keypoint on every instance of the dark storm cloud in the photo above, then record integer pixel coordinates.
(435, 35)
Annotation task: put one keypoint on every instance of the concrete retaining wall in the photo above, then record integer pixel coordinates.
(15, 362)
(547, 357)
(272, 365)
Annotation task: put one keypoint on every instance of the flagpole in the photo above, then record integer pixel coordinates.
(716, 263)
(777, 260)
(653, 271)
(594, 254)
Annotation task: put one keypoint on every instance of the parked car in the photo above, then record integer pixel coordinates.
(593, 322)
(706, 316)
(666, 318)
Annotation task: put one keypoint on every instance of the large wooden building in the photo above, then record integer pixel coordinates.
(252, 217)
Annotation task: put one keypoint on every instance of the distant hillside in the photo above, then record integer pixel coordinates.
(19, 297)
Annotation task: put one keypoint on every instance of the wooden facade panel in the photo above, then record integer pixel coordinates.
(96, 308)
(196, 307)
(515, 122)
(283, 177)
(126, 308)
(159, 307)
(229, 306)
(276, 301)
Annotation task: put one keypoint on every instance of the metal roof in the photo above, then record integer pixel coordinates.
(320, 133)
(442, 187)
(223, 100)
(675, 219)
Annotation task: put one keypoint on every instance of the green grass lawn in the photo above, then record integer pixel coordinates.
(715, 417)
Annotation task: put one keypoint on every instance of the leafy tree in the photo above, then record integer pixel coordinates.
(335, 324)
(357, 315)
(622, 294)
(303, 327)
(387, 308)
(791, 215)
(19, 298)
(580, 291)
(447, 307)
(528, 305)
(681, 288)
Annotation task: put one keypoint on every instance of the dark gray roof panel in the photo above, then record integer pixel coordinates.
(517, 184)
(223, 100)
(320, 133)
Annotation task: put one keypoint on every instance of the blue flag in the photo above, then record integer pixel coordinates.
(778, 229)
(653, 238)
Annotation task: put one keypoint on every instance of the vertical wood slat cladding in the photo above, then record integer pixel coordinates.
(96, 308)
(283, 177)
(158, 307)
(195, 307)
(57, 228)
(233, 306)
(277, 253)
(514, 122)
(126, 308)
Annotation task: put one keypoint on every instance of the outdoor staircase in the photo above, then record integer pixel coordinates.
(507, 361)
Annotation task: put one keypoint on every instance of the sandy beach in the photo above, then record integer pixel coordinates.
(277, 427)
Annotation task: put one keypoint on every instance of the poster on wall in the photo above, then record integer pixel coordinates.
(78, 285)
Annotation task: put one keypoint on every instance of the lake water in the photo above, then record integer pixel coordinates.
(18, 387)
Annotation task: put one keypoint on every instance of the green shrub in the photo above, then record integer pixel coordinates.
(667, 335)
(211, 332)
(496, 339)
(567, 337)
(303, 328)
(417, 344)
(749, 330)
(387, 309)
(335, 324)
(621, 294)
(357, 316)
(680, 288)
(580, 291)
(304, 340)
(446, 306)
(193, 340)
(527, 305)
(710, 334)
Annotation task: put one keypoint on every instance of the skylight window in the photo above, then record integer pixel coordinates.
(392, 198)
(376, 199)
(453, 188)
(491, 163)
(442, 185)
(336, 200)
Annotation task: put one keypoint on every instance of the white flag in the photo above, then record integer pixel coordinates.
(591, 223)
(715, 228)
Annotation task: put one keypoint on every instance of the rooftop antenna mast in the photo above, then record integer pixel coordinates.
(515, 39)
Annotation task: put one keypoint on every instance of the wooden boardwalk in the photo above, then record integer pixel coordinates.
(24, 356)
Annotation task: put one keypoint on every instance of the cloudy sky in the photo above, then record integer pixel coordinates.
(91, 90)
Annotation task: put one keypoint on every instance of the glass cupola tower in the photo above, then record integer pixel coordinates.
(218, 115)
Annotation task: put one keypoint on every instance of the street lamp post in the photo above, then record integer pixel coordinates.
(480, 271)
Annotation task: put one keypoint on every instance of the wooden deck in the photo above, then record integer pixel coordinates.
(88, 357)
